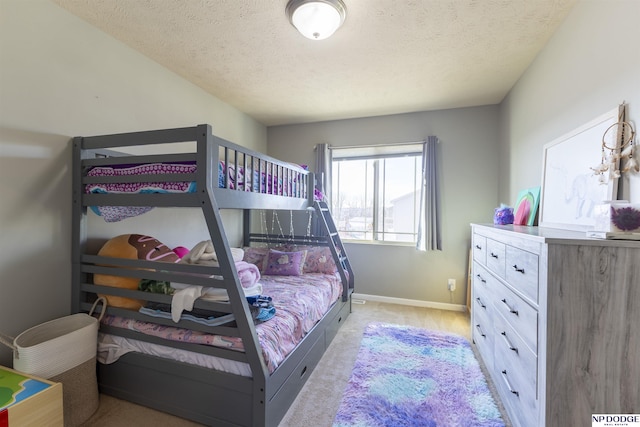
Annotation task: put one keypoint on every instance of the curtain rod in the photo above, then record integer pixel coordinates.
(378, 145)
(424, 141)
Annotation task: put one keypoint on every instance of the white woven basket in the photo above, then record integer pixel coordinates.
(63, 350)
(51, 348)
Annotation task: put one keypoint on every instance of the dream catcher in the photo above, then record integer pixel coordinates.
(618, 150)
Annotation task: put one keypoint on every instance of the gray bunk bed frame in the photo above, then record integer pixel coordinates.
(189, 391)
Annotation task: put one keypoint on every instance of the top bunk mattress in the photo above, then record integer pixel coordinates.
(263, 180)
(124, 175)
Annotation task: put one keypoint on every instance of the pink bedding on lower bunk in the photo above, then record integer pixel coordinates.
(300, 302)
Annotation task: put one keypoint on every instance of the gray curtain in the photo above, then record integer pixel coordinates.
(429, 230)
(323, 170)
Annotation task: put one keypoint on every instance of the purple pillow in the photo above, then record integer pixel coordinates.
(319, 260)
(278, 263)
(255, 255)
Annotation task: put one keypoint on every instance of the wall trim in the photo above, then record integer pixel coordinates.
(411, 302)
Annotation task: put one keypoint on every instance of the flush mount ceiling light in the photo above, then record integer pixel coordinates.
(316, 19)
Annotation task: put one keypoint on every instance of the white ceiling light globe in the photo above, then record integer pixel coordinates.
(316, 20)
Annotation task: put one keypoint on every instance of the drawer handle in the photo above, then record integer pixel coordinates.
(519, 270)
(506, 381)
(480, 302)
(494, 255)
(511, 310)
(506, 340)
(480, 330)
(478, 247)
(481, 278)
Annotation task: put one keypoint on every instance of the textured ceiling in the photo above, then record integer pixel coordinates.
(389, 57)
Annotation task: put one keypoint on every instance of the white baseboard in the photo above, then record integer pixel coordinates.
(411, 302)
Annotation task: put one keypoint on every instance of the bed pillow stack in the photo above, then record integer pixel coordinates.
(318, 259)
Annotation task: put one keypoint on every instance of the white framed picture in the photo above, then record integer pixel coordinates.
(570, 189)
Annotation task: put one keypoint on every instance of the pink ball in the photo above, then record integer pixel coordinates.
(181, 251)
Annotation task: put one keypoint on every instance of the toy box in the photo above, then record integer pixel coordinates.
(28, 400)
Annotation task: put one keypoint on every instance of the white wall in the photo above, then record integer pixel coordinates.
(469, 173)
(59, 78)
(590, 65)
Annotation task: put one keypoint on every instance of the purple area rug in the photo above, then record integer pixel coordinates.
(405, 376)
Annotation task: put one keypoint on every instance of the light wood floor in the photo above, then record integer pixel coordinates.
(318, 402)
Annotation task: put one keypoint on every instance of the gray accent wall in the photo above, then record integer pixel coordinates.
(469, 175)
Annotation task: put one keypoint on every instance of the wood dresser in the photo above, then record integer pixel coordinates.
(556, 320)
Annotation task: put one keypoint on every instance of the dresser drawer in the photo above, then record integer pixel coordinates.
(520, 400)
(496, 257)
(482, 312)
(521, 316)
(482, 330)
(509, 345)
(481, 300)
(522, 272)
(482, 279)
(479, 246)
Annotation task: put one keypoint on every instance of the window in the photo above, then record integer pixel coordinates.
(376, 192)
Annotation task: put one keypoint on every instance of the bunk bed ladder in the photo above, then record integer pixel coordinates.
(336, 246)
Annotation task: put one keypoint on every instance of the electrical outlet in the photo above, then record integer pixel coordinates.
(451, 285)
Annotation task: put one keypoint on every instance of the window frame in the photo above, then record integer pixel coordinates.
(379, 154)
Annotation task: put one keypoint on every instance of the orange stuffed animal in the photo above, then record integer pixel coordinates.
(131, 246)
